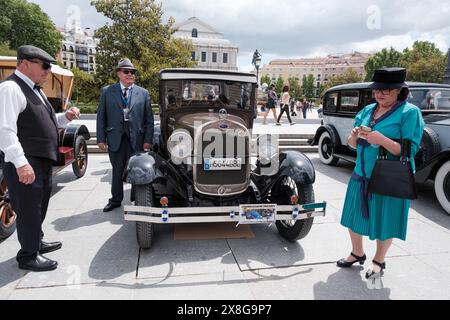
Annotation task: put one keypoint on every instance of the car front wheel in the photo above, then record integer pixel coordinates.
(144, 230)
(442, 186)
(326, 150)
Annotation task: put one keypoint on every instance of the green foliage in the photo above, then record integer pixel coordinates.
(349, 76)
(279, 85)
(384, 58)
(6, 51)
(425, 62)
(266, 79)
(308, 88)
(86, 88)
(24, 23)
(295, 89)
(136, 31)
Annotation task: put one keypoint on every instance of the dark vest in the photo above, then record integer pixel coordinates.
(37, 128)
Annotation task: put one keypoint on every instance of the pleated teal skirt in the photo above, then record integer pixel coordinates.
(388, 216)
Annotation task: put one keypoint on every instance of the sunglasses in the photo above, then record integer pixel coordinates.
(44, 65)
(132, 72)
(384, 92)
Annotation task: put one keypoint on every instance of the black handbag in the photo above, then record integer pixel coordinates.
(394, 178)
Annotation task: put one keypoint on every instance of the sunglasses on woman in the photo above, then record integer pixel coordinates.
(44, 65)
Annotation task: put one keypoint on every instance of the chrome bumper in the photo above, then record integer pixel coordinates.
(219, 214)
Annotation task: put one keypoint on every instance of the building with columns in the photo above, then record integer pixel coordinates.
(211, 50)
(321, 68)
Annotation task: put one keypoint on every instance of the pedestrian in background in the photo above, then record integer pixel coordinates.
(379, 217)
(271, 103)
(285, 97)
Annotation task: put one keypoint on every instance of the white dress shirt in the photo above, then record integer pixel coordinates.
(12, 103)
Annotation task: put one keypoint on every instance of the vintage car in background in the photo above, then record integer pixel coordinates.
(72, 140)
(342, 103)
(204, 166)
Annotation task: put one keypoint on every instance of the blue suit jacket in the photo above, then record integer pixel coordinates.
(110, 120)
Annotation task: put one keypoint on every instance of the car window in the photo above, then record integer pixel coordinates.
(349, 101)
(368, 98)
(331, 102)
(430, 99)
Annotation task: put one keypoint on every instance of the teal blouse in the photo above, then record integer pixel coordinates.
(405, 122)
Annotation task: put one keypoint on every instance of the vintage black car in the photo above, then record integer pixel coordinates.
(342, 103)
(201, 168)
(72, 140)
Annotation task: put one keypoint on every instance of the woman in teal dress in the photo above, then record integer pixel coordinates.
(381, 218)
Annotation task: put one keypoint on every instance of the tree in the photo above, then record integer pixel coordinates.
(295, 89)
(308, 87)
(424, 62)
(349, 76)
(279, 85)
(25, 23)
(266, 79)
(86, 89)
(384, 58)
(137, 32)
(6, 51)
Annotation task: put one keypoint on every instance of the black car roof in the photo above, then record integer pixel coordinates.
(364, 85)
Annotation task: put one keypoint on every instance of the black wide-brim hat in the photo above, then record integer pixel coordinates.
(389, 78)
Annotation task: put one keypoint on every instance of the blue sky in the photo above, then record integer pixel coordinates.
(296, 28)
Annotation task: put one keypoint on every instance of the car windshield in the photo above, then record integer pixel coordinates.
(430, 99)
(183, 93)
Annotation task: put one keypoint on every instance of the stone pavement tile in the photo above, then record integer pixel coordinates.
(315, 282)
(169, 257)
(209, 286)
(326, 243)
(410, 278)
(89, 258)
(66, 182)
(10, 276)
(424, 239)
(104, 291)
(439, 261)
(67, 200)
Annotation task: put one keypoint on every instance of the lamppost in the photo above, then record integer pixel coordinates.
(257, 63)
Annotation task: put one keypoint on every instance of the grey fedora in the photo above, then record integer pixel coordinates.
(125, 64)
(389, 78)
(28, 52)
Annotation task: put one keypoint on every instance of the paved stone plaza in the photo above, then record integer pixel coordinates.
(100, 258)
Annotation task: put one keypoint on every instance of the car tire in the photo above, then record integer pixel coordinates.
(7, 215)
(442, 186)
(293, 230)
(429, 146)
(81, 157)
(144, 230)
(326, 149)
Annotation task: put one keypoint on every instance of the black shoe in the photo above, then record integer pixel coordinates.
(47, 247)
(347, 264)
(372, 274)
(111, 206)
(38, 264)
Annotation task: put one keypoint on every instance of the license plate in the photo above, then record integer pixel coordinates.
(257, 213)
(222, 164)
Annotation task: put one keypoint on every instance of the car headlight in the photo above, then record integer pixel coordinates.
(180, 145)
(267, 148)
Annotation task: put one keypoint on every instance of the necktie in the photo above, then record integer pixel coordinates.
(125, 93)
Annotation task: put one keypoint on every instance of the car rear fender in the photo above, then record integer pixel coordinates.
(429, 169)
(71, 133)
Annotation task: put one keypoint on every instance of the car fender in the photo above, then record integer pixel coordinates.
(331, 131)
(431, 167)
(71, 132)
(141, 169)
(297, 166)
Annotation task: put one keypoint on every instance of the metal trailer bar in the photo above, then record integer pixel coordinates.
(212, 214)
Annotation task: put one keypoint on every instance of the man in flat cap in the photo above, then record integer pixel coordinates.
(124, 125)
(29, 141)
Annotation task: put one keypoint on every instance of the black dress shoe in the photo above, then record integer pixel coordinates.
(47, 247)
(347, 264)
(370, 274)
(111, 206)
(38, 264)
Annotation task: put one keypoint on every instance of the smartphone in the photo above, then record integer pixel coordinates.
(365, 128)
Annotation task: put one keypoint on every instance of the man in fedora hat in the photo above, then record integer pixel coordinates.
(124, 125)
(29, 140)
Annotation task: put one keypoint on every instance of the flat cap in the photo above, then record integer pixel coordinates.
(125, 64)
(31, 52)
